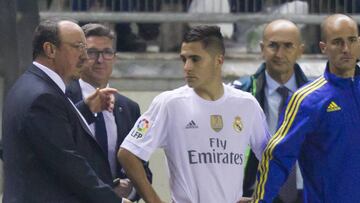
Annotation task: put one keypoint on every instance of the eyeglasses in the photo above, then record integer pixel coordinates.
(94, 54)
(80, 46)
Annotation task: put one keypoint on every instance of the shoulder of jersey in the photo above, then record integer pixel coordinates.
(174, 94)
(240, 93)
(314, 86)
(312, 94)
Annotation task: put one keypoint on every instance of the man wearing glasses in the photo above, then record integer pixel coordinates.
(109, 128)
(49, 152)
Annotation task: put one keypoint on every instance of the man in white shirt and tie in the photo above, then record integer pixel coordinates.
(278, 77)
(109, 127)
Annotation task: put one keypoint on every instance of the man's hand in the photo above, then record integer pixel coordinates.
(101, 99)
(124, 188)
(126, 201)
(245, 200)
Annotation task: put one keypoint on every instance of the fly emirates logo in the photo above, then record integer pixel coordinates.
(218, 154)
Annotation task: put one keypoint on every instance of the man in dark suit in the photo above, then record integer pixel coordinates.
(115, 125)
(49, 152)
(280, 47)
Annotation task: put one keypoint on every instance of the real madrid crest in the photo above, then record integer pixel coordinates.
(216, 122)
(237, 125)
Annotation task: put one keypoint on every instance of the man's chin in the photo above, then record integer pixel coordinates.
(71, 77)
(348, 64)
(189, 83)
(72, 74)
(76, 73)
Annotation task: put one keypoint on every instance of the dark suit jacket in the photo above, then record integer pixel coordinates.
(49, 153)
(126, 112)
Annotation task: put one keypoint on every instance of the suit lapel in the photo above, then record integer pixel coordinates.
(35, 70)
(260, 93)
(73, 91)
(82, 121)
(38, 72)
(120, 119)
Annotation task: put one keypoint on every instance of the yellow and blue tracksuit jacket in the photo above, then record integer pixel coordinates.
(320, 128)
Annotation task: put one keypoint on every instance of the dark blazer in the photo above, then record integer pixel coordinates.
(49, 153)
(126, 113)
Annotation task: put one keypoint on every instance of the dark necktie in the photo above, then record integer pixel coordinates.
(284, 93)
(288, 192)
(100, 132)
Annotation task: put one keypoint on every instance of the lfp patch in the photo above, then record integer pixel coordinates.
(141, 128)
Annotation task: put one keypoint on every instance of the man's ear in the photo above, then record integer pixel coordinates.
(301, 50)
(358, 48)
(322, 46)
(49, 50)
(261, 46)
(220, 59)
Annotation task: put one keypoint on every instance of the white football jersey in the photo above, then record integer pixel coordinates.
(204, 141)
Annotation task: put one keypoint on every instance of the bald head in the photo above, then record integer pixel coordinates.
(68, 29)
(334, 21)
(281, 26)
(68, 24)
(340, 43)
(281, 47)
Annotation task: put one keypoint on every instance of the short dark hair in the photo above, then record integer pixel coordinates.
(98, 30)
(46, 31)
(209, 36)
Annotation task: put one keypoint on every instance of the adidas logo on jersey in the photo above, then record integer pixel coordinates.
(191, 124)
(333, 107)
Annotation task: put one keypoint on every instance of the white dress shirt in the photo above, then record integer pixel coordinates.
(273, 99)
(110, 124)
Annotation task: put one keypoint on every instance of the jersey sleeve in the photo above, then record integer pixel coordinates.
(283, 148)
(150, 130)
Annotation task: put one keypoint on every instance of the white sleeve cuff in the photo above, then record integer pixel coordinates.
(132, 194)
